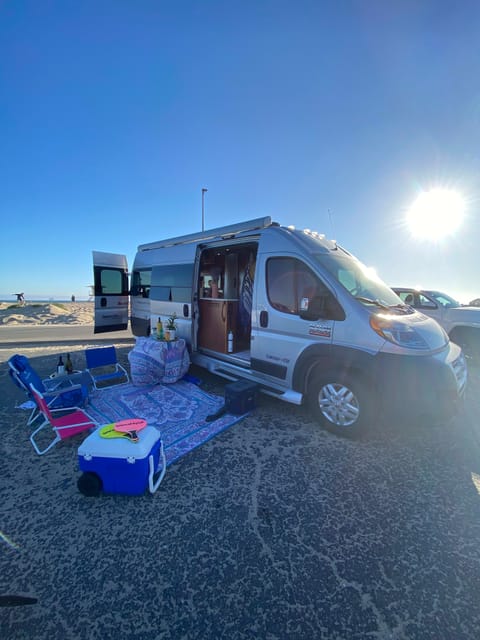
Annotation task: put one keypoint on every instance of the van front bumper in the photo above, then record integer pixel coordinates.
(431, 385)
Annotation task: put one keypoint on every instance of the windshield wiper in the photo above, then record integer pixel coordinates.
(402, 307)
(376, 302)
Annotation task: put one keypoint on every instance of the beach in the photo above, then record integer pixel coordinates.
(40, 313)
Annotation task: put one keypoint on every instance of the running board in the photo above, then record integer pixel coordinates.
(290, 396)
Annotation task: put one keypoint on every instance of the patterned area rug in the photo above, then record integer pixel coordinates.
(177, 410)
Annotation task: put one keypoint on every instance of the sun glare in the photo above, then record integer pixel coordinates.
(436, 214)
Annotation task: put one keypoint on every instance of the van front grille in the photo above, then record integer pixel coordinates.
(460, 370)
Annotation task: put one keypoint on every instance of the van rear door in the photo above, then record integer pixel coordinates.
(110, 273)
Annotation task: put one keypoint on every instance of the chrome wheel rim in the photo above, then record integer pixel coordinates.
(339, 404)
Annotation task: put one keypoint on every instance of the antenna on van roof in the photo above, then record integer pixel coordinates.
(203, 208)
(331, 223)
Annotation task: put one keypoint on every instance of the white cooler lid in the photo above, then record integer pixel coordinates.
(94, 446)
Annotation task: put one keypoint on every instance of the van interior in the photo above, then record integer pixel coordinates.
(225, 290)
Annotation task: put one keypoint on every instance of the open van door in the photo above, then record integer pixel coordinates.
(110, 277)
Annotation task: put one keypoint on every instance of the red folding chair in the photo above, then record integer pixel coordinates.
(65, 426)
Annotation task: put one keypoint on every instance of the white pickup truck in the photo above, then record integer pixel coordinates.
(462, 323)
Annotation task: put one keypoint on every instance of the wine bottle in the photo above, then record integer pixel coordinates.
(60, 366)
(160, 329)
(68, 364)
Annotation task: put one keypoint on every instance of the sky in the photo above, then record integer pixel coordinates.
(332, 115)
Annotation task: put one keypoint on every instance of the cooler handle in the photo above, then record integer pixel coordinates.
(153, 487)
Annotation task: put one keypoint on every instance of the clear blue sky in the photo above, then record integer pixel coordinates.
(331, 115)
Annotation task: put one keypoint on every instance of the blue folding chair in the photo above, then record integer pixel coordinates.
(23, 375)
(103, 367)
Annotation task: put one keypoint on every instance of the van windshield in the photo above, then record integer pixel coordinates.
(360, 281)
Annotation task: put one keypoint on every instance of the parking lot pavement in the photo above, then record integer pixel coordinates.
(275, 529)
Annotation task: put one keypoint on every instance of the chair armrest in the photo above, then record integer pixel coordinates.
(58, 391)
(66, 410)
(71, 410)
(51, 384)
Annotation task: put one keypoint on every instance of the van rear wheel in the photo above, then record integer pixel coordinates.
(340, 402)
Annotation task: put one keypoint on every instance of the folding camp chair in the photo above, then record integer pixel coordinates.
(65, 426)
(103, 367)
(24, 376)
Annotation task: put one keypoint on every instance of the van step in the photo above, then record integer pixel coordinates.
(225, 374)
(288, 395)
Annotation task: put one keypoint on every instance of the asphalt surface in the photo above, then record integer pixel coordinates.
(32, 335)
(274, 529)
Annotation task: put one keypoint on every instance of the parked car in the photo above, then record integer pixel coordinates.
(462, 323)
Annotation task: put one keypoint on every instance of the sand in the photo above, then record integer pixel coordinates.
(39, 313)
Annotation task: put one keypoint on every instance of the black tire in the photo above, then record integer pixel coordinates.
(340, 402)
(90, 484)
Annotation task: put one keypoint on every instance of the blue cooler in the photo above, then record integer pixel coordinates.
(118, 465)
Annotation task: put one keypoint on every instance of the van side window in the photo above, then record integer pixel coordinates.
(141, 280)
(172, 283)
(290, 282)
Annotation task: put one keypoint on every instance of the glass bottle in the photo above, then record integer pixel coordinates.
(160, 329)
(60, 366)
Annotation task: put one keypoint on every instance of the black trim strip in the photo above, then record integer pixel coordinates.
(271, 369)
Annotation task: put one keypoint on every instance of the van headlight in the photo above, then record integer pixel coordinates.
(393, 330)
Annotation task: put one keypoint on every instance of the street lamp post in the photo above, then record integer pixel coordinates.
(203, 208)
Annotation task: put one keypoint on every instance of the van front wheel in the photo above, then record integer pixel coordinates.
(340, 402)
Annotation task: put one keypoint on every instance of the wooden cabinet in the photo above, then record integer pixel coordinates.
(217, 318)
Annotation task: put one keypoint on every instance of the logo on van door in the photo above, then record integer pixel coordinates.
(323, 331)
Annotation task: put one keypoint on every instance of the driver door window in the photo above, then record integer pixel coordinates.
(292, 285)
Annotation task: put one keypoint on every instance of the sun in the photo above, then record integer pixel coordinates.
(436, 214)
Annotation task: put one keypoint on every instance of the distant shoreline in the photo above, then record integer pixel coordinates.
(46, 300)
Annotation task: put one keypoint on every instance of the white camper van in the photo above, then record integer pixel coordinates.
(291, 311)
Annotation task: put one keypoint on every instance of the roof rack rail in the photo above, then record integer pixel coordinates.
(219, 232)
